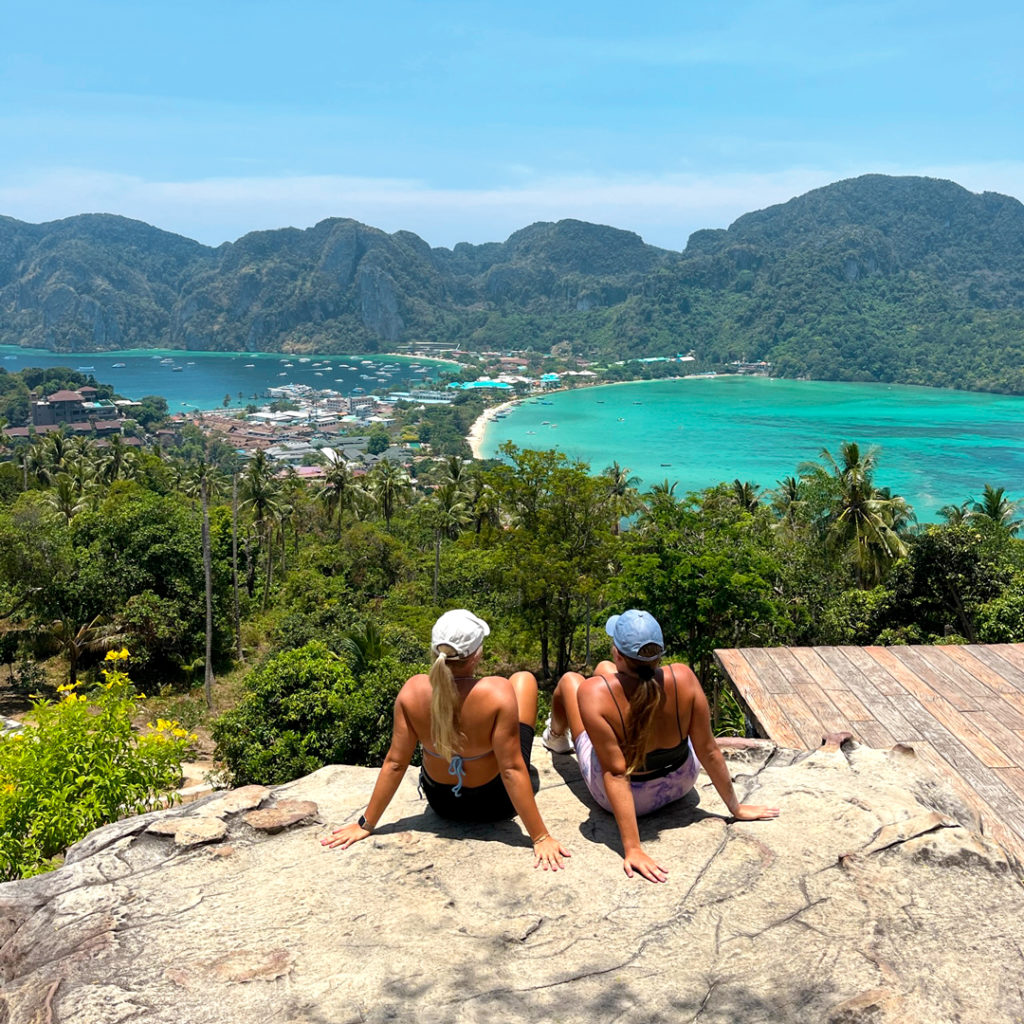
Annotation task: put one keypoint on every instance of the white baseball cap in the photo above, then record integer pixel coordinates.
(459, 629)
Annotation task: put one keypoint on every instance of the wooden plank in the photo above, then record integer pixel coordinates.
(881, 679)
(849, 706)
(925, 727)
(991, 824)
(1013, 778)
(940, 709)
(856, 664)
(1013, 653)
(906, 675)
(761, 703)
(965, 730)
(965, 657)
(943, 674)
(825, 711)
(874, 735)
(1008, 742)
(1009, 714)
(769, 675)
(802, 719)
(1009, 671)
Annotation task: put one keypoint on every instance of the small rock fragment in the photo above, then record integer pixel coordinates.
(281, 815)
(242, 799)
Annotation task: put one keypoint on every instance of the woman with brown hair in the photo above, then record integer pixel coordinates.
(635, 726)
(477, 730)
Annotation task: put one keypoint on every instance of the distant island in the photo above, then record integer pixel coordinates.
(903, 280)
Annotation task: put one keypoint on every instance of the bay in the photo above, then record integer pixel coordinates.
(936, 447)
(205, 378)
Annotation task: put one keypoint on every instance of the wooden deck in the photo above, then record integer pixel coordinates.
(960, 707)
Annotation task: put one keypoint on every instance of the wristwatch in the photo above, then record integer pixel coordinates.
(362, 823)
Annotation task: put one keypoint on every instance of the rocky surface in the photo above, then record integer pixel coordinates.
(871, 899)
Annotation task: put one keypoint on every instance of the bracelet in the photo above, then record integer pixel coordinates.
(541, 838)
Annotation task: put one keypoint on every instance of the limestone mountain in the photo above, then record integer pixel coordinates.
(910, 280)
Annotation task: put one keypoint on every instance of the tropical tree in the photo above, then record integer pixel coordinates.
(622, 493)
(746, 494)
(340, 491)
(997, 508)
(390, 487)
(863, 523)
(448, 513)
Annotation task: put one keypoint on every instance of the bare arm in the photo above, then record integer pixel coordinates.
(710, 756)
(594, 712)
(403, 745)
(505, 740)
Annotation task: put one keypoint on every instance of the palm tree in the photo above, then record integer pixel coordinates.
(956, 515)
(340, 491)
(88, 638)
(746, 494)
(390, 486)
(997, 508)
(65, 497)
(482, 500)
(361, 647)
(787, 501)
(449, 512)
(261, 498)
(865, 523)
(622, 492)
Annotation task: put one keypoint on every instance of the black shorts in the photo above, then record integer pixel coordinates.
(481, 804)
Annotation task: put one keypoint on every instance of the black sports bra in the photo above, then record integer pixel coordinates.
(664, 760)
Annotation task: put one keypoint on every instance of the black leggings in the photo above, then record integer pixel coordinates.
(481, 804)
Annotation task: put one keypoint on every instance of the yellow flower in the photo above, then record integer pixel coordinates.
(121, 655)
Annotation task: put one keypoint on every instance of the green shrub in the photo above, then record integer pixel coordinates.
(78, 765)
(286, 724)
(303, 709)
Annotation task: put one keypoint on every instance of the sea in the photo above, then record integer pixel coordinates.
(203, 380)
(934, 446)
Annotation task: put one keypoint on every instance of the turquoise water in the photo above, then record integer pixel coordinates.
(937, 447)
(206, 377)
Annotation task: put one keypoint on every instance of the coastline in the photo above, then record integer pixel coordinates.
(478, 431)
(475, 436)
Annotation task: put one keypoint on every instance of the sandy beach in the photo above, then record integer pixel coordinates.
(475, 437)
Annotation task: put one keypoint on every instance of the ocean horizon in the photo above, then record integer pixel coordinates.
(935, 446)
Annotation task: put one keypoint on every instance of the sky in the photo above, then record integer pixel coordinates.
(465, 120)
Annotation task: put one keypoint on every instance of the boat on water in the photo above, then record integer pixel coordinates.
(166, 362)
(249, 366)
(119, 366)
(85, 369)
(177, 369)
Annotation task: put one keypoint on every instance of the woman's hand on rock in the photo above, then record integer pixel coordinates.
(346, 836)
(548, 853)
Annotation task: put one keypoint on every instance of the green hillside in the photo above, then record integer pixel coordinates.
(910, 280)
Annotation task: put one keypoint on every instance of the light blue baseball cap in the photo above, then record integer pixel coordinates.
(634, 631)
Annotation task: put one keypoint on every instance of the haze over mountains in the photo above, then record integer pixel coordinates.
(909, 280)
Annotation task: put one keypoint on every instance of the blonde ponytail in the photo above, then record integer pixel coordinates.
(648, 696)
(444, 704)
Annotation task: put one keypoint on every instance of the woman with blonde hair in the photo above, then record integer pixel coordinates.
(477, 730)
(635, 727)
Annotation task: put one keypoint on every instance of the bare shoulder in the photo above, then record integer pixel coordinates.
(413, 690)
(494, 688)
(683, 676)
(594, 692)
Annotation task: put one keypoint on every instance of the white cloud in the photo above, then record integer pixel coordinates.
(664, 209)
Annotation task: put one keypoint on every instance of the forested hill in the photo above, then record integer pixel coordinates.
(913, 280)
